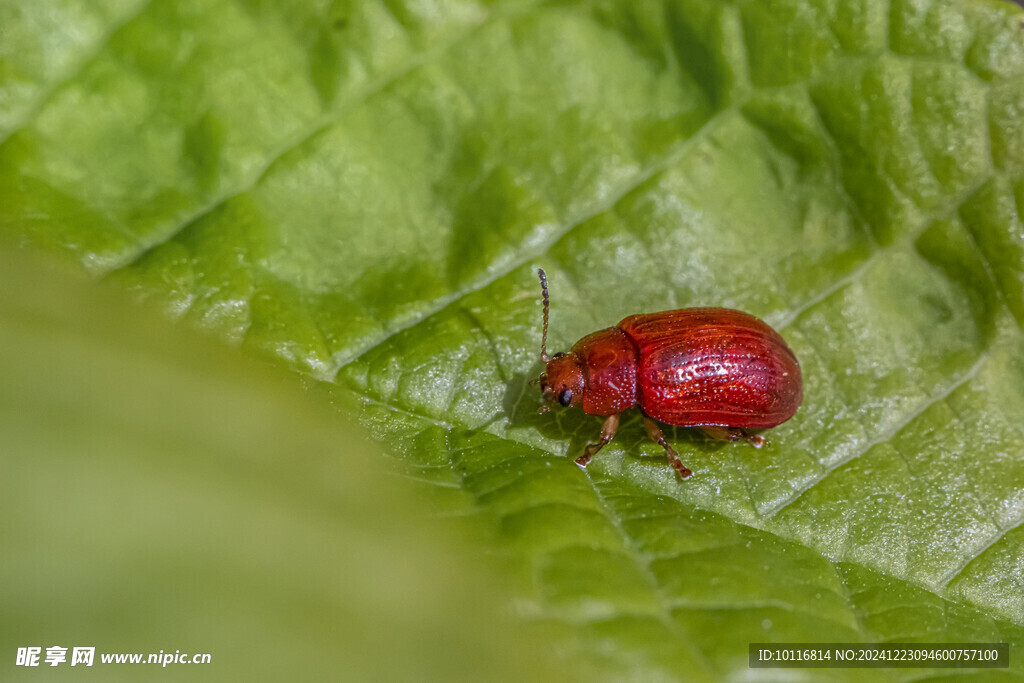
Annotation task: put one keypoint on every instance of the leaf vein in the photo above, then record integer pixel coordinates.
(315, 127)
(959, 569)
(888, 434)
(623, 190)
(643, 562)
(43, 98)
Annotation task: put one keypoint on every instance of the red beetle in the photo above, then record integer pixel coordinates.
(719, 369)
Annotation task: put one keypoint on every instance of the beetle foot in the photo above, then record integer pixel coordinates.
(673, 459)
(590, 451)
(608, 429)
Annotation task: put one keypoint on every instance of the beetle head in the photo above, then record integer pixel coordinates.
(562, 381)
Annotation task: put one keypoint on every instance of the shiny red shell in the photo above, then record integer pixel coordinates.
(692, 367)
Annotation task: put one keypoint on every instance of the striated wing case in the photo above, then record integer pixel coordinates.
(713, 366)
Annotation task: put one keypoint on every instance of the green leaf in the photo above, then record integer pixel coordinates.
(362, 191)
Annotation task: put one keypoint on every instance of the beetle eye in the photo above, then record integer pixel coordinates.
(565, 398)
(558, 355)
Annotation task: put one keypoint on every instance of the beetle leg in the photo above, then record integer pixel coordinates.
(654, 431)
(723, 433)
(608, 430)
(734, 434)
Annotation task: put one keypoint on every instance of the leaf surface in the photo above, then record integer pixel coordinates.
(363, 190)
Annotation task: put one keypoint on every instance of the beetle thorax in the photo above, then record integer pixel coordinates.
(609, 362)
(562, 381)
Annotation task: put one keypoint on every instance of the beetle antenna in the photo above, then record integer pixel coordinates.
(547, 305)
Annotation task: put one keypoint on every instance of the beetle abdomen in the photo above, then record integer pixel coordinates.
(713, 366)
